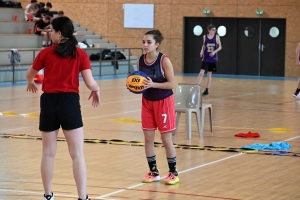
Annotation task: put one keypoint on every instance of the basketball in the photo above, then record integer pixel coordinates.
(134, 82)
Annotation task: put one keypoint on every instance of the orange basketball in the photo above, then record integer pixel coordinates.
(134, 82)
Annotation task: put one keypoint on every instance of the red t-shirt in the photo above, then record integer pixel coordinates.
(61, 74)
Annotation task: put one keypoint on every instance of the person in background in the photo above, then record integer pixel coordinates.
(211, 45)
(297, 92)
(30, 10)
(41, 27)
(43, 11)
(60, 13)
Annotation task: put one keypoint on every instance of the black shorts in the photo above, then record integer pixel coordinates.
(60, 109)
(210, 67)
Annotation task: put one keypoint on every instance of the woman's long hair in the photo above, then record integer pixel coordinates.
(67, 45)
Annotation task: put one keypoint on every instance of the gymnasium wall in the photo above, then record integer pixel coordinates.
(105, 17)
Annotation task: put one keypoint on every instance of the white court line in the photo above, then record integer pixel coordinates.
(181, 172)
(40, 193)
(113, 102)
(18, 128)
(100, 116)
(292, 138)
(227, 97)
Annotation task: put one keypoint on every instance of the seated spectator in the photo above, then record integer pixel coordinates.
(42, 27)
(30, 10)
(50, 14)
(41, 4)
(43, 11)
(36, 8)
(60, 13)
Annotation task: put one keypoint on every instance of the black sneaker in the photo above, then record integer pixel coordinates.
(44, 45)
(49, 197)
(205, 93)
(87, 198)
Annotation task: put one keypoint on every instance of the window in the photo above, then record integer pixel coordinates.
(221, 31)
(198, 30)
(249, 31)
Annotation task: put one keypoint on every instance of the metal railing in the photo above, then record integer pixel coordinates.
(115, 59)
(35, 50)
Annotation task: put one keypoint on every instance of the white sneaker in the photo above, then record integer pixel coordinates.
(298, 96)
(49, 197)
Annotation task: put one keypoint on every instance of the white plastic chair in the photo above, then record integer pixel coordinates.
(188, 99)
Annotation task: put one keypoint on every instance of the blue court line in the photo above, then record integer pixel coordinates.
(120, 76)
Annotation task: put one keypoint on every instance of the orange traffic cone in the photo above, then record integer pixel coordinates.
(39, 77)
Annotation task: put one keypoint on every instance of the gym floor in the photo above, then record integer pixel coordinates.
(210, 167)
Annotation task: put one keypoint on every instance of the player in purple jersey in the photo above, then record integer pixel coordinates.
(297, 92)
(158, 107)
(211, 45)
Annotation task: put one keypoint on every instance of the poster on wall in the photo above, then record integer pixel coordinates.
(138, 15)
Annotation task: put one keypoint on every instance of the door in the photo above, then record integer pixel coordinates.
(248, 37)
(227, 56)
(272, 47)
(193, 43)
(250, 47)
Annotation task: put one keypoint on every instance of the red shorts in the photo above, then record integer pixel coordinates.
(159, 114)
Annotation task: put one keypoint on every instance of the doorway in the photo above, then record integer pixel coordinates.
(249, 46)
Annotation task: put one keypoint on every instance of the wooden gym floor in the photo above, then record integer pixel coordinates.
(115, 169)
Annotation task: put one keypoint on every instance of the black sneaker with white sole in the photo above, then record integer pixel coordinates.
(49, 197)
(87, 198)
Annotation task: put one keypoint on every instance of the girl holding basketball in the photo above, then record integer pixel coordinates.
(158, 110)
(62, 63)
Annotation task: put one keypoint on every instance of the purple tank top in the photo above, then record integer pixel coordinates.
(210, 46)
(155, 71)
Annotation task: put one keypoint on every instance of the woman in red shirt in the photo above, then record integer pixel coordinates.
(60, 105)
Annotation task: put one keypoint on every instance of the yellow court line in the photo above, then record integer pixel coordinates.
(8, 113)
(127, 120)
(11, 113)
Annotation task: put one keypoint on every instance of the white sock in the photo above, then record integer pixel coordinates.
(49, 42)
(44, 42)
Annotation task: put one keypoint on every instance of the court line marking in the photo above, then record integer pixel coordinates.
(114, 102)
(41, 193)
(100, 116)
(187, 170)
(247, 128)
(137, 185)
(12, 129)
(91, 105)
(228, 97)
(292, 138)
